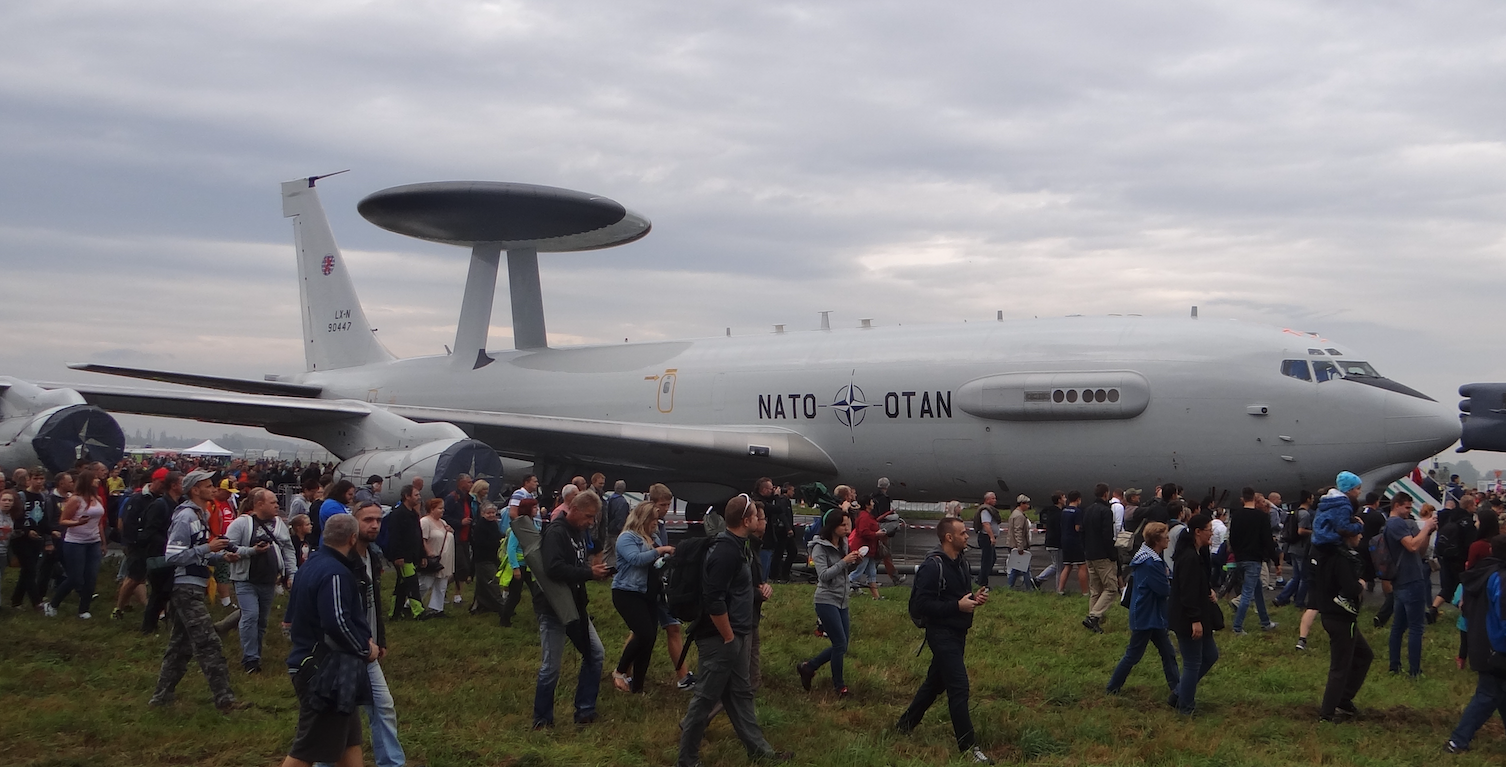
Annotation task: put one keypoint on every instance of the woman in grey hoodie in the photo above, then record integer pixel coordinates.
(833, 562)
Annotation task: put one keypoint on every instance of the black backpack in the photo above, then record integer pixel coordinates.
(133, 518)
(914, 605)
(682, 578)
(1289, 529)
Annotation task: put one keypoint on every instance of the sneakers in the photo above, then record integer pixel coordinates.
(1240, 633)
(48, 610)
(85, 616)
(806, 675)
(457, 600)
(1345, 712)
(976, 756)
(1454, 748)
(1093, 624)
(1270, 626)
(233, 705)
(622, 681)
(842, 691)
(117, 614)
(1301, 643)
(687, 682)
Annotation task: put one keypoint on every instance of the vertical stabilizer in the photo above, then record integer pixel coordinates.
(335, 331)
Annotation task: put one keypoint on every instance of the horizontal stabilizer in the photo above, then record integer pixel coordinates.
(240, 385)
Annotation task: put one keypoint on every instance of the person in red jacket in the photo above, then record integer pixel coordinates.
(865, 539)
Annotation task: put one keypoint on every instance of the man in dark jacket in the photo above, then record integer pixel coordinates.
(1484, 608)
(1250, 537)
(405, 549)
(568, 561)
(943, 599)
(132, 520)
(152, 543)
(723, 641)
(1337, 593)
(1155, 511)
(381, 712)
(779, 535)
(328, 614)
(1103, 559)
(1051, 525)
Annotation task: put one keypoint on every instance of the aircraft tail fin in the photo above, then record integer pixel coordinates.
(335, 331)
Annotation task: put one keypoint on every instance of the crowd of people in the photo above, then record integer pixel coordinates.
(192, 534)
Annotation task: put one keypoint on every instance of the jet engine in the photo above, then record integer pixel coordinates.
(439, 463)
(53, 428)
(1484, 417)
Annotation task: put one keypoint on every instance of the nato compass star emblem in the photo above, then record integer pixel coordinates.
(848, 406)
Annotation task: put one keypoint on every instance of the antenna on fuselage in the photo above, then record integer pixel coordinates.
(826, 320)
(1194, 312)
(491, 217)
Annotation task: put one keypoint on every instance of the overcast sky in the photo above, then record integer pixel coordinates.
(1334, 166)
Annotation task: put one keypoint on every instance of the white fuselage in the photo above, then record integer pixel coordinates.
(903, 416)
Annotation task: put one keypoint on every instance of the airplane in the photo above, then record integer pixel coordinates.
(944, 411)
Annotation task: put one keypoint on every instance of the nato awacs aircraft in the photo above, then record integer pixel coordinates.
(944, 411)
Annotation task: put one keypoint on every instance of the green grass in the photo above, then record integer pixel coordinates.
(74, 693)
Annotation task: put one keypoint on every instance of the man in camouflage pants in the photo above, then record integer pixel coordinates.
(193, 554)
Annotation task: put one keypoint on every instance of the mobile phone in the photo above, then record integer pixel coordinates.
(983, 590)
(612, 570)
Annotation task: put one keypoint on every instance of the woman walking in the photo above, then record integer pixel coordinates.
(1150, 584)
(635, 594)
(832, 564)
(1193, 611)
(515, 575)
(864, 540)
(83, 522)
(439, 546)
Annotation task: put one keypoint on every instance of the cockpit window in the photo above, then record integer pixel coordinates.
(1296, 369)
(1358, 369)
(1324, 370)
(1335, 352)
(1318, 352)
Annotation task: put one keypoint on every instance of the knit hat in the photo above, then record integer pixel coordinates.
(1347, 481)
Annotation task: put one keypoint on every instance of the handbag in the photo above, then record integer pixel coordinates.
(1213, 616)
(434, 564)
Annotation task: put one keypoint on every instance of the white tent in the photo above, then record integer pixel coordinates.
(208, 448)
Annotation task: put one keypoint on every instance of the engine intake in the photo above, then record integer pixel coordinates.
(54, 428)
(439, 463)
(1484, 417)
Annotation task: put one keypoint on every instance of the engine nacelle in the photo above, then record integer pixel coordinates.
(438, 463)
(53, 428)
(1484, 417)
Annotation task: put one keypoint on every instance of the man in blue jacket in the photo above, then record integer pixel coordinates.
(1485, 611)
(943, 599)
(327, 610)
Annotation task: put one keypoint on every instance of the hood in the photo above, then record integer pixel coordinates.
(1146, 554)
(1476, 578)
(1335, 501)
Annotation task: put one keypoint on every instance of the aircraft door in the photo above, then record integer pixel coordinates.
(665, 399)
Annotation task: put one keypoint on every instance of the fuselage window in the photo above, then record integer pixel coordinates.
(1358, 369)
(1296, 369)
(1324, 370)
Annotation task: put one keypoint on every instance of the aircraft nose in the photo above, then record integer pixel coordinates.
(1418, 428)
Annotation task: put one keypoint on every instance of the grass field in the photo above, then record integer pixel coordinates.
(74, 693)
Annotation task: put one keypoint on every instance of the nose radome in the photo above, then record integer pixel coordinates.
(1417, 428)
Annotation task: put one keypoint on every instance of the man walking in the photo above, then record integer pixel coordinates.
(132, 536)
(327, 614)
(1484, 608)
(152, 541)
(723, 640)
(943, 601)
(563, 567)
(986, 524)
(1297, 534)
(265, 547)
(405, 549)
(1103, 558)
(1250, 535)
(1017, 535)
(381, 712)
(193, 554)
(460, 513)
(1406, 542)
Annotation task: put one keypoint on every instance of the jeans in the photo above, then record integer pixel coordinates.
(381, 715)
(1296, 588)
(30, 584)
(1490, 697)
(1056, 565)
(255, 600)
(552, 636)
(766, 559)
(835, 621)
(722, 677)
(1349, 658)
(641, 614)
(1136, 650)
(1411, 606)
(81, 561)
(785, 555)
(948, 672)
(866, 572)
(990, 558)
(1198, 657)
(1250, 572)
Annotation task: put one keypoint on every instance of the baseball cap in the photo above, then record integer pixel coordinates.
(195, 477)
(1022, 498)
(160, 474)
(1133, 491)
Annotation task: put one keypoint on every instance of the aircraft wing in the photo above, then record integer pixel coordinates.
(516, 435)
